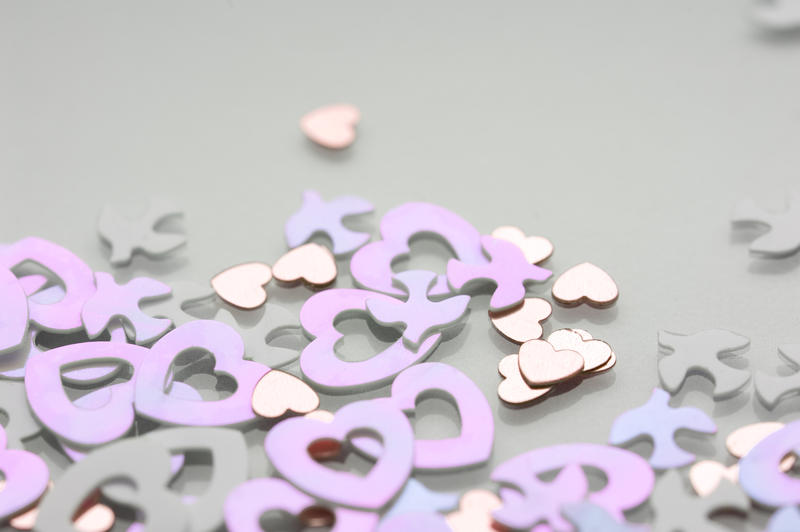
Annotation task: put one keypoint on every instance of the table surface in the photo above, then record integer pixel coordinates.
(623, 131)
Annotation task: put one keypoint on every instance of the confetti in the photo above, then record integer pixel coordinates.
(310, 263)
(243, 285)
(319, 217)
(129, 235)
(585, 283)
(332, 126)
(657, 421)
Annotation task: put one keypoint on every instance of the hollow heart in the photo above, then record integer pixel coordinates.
(585, 283)
(225, 344)
(311, 263)
(331, 126)
(535, 248)
(541, 365)
(471, 447)
(243, 285)
(287, 445)
(278, 392)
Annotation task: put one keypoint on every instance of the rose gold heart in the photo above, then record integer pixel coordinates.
(742, 440)
(311, 262)
(522, 323)
(513, 389)
(585, 283)
(706, 475)
(535, 248)
(474, 513)
(332, 126)
(242, 285)
(541, 365)
(605, 367)
(278, 392)
(595, 353)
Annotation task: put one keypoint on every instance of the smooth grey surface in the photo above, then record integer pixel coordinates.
(623, 131)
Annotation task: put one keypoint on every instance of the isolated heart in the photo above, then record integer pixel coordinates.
(513, 389)
(332, 126)
(242, 285)
(706, 475)
(278, 392)
(535, 248)
(475, 512)
(585, 283)
(311, 263)
(287, 445)
(522, 323)
(541, 365)
(595, 353)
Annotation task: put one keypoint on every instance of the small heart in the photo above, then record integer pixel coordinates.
(474, 512)
(522, 323)
(513, 389)
(535, 248)
(595, 353)
(278, 392)
(585, 283)
(706, 475)
(332, 126)
(542, 365)
(311, 263)
(242, 285)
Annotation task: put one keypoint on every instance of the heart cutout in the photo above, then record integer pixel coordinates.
(522, 323)
(287, 445)
(243, 285)
(331, 126)
(471, 447)
(278, 392)
(513, 389)
(536, 249)
(310, 262)
(542, 365)
(595, 353)
(585, 283)
(706, 475)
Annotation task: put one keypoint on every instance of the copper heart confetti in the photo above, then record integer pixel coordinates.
(585, 283)
(278, 392)
(522, 323)
(243, 285)
(542, 365)
(310, 263)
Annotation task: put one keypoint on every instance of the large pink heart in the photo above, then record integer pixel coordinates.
(287, 445)
(472, 447)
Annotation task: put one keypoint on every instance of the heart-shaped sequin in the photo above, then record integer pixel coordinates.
(278, 392)
(522, 323)
(585, 283)
(243, 285)
(542, 365)
(513, 389)
(331, 126)
(706, 475)
(311, 263)
(595, 353)
(535, 248)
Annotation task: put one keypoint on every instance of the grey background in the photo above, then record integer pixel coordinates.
(623, 131)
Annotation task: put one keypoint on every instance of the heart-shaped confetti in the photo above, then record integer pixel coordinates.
(243, 285)
(332, 126)
(595, 353)
(287, 448)
(535, 248)
(474, 513)
(522, 323)
(706, 475)
(278, 392)
(513, 389)
(585, 283)
(311, 263)
(542, 365)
